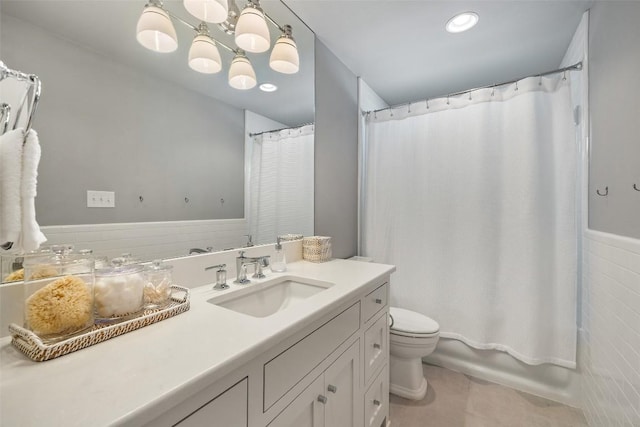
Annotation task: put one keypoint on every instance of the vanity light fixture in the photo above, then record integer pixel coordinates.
(155, 31)
(241, 74)
(252, 33)
(462, 22)
(204, 56)
(268, 87)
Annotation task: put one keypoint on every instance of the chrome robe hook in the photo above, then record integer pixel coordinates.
(606, 192)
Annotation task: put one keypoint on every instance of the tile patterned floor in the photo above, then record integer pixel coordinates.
(457, 400)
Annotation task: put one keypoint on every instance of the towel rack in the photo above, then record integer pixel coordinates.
(29, 103)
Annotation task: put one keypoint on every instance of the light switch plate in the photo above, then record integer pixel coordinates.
(101, 199)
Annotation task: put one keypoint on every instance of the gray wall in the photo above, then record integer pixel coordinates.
(614, 97)
(104, 126)
(336, 152)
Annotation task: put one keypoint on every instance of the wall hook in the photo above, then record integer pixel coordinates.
(141, 199)
(635, 187)
(606, 191)
(186, 200)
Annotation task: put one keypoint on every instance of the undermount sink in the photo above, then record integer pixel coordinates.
(270, 297)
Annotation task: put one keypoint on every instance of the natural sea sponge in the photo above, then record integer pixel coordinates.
(63, 306)
(43, 273)
(15, 276)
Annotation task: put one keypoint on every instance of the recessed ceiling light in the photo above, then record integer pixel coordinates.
(268, 87)
(462, 22)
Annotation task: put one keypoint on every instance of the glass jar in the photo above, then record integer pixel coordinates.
(118, 291)
(12, 265)
(157, 290)
(58, 293)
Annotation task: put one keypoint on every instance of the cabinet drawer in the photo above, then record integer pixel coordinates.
(376, 400)
(376, 346)
(292, 365)
(374, 302)
(227, 409)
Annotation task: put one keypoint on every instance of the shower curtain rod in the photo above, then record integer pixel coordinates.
(278, 130)
(574, 67)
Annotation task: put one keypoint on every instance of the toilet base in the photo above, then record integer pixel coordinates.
(410, 394)
(406, 378)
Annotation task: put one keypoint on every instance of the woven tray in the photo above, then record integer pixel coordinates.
(32, 346)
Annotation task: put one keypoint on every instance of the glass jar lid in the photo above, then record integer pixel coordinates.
(119, 268)
(157, 266)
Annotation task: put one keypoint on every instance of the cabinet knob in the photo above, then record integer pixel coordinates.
(376, 346)
(378, 301)
(322, 399)
(376, 402)
(332, 388)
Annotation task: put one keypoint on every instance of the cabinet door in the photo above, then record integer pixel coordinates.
(341, 389)
(306, 410)
(226, 409)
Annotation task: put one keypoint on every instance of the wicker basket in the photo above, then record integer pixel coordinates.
(32, 346)
(316, 248)
(290, 237)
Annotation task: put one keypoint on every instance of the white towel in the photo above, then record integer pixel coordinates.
(10, 179)
(31, 237)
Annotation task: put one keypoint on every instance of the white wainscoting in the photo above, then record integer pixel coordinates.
(151, 240)
(611, 330)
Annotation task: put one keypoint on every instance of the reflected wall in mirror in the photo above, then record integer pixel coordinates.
(172, 143)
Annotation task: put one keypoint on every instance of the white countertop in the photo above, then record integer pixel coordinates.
(132, 378)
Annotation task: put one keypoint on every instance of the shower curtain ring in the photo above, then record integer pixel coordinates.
(606, 191)
(635, 187)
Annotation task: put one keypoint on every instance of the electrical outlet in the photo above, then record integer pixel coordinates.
(101, 199)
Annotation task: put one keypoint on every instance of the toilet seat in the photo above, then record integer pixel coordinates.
(411, 324)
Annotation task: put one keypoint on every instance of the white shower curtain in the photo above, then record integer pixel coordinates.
(281, 184)
(473, 199)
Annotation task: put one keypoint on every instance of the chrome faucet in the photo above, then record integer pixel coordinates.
(241, 267)
(200, 251)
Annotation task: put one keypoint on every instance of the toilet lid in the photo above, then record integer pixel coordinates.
(412, 322)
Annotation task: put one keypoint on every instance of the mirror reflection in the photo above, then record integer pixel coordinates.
(191, 161)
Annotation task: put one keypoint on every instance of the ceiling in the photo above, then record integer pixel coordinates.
(402, 51)
(399, 48)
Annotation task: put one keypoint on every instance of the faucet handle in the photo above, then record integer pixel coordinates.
(261, 262)
(241, 254)
(221, 277)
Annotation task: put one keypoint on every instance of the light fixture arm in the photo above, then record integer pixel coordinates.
(201, 29)
(270, 19)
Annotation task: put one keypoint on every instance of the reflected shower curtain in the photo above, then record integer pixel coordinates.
(281, 184)
(473, 199)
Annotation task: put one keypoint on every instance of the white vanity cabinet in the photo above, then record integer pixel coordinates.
(331, 400)
(332, 372)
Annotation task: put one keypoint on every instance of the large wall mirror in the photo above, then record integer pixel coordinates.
(172, 143)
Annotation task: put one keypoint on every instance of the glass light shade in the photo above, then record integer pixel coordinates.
(241, 74)
(155, 30)
(215, 11)
(204, 56)
(252, 33)
(284, 56)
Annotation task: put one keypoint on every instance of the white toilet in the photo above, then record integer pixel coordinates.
(412, 337)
